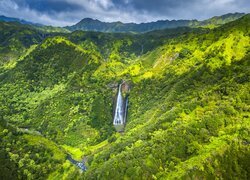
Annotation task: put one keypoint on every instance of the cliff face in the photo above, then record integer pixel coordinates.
(125, 87)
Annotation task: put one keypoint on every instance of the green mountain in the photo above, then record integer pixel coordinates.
(219, 20)
(37, 26)
(21, 21)
(89, 24)
(188, 112)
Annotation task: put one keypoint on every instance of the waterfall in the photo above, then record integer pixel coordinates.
(119, 110)
(125, 109)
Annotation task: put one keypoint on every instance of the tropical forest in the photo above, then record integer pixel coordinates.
(111, 100)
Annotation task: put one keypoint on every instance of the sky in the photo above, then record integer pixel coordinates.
(69, 12)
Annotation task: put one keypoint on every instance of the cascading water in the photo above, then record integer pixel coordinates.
(125, 109)
(119, 110)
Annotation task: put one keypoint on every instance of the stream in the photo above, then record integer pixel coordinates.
(79, 164)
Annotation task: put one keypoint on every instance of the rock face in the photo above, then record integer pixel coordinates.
(121, 107)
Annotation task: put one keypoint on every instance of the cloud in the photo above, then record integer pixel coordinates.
(183, 9)
(13, 8)
(67, 12)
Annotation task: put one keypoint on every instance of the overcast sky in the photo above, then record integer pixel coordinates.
(68, 12)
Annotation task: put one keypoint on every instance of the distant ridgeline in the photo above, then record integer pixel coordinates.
(21, 21)
(88, 24)
(121, 107)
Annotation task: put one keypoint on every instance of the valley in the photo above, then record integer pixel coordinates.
(188, 112)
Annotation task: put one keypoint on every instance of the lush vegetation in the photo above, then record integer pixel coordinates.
(188, 105)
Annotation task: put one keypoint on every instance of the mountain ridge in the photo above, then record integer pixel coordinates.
(37, 26)
(22, 21)
(89, 24)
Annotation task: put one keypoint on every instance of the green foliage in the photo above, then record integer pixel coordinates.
(188, 112)
(26, 155)
(184, 121)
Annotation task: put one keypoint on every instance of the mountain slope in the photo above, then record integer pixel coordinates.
(37, 26)
(21, 21)
(15, 40)
(191, 121)
(46, 82)
(89, 24)
(219, 20)
(26, 154)
(18, 40)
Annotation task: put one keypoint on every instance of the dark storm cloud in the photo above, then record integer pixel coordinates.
(66, 12)
(185, 9)
(154, 5)
(48, 6)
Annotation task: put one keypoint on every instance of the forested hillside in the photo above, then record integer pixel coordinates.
(188, 114)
